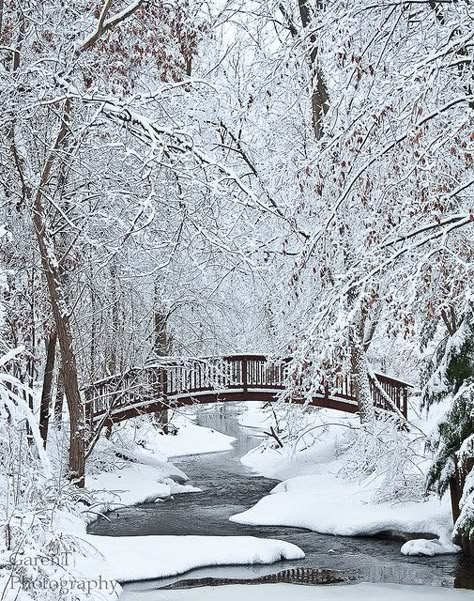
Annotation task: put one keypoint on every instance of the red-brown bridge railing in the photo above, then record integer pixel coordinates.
(172, 383)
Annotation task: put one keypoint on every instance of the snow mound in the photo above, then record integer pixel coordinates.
(145, 557)
(135, 483)
(193, 440)
(330, 505)
(422, 546)
(255, 416)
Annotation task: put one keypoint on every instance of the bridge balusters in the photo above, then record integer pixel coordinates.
(185, 378)
(175, 374)
(235, 375)
(176, 383)
(196, 375)
(196, 367)
(182, 378)
(201, 376)
(220, 369)
(213, 374)
(179, 377)
(226, 373)
(168, 369)
(192, 376)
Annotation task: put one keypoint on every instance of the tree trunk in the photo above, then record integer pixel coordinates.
(319, 93)
(360, 371)
(61, 314)
(161, 347)
(112, 363)
(362, 385)
(30, 365)
(46, 393)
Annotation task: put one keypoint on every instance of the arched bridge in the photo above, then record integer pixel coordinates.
(171, 383)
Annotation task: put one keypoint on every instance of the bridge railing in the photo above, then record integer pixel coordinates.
(169, 380)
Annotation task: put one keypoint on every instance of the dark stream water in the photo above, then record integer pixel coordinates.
(229, 488)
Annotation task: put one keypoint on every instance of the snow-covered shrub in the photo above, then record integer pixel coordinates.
(127, 441)
(104, 458)
(389, 458)
(290, 421)
(34, 554)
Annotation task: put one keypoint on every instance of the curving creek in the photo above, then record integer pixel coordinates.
(229, 488)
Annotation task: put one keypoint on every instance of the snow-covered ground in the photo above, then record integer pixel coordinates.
(133, 467)
(321, 495)
(332, 505)
(193, 440)
(283, 592)
(101, 562)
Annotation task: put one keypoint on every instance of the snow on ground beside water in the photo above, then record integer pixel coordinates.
(331, 505)
(190, 439)
(193, 440)
(308, 459)
(145, 474)
(284, 592)
(145, 557)
(136, 483)
(317, 499)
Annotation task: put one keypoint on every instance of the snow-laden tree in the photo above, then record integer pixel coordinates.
(105, 148)
(451, 380)
(53, 77)
(382, 196)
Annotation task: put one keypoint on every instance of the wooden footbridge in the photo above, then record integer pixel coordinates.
(171, 384)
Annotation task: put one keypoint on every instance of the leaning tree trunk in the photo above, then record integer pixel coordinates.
(46, 393)
(61, 314)
(68, 357)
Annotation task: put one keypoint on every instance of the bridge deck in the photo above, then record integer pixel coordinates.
(224, 379)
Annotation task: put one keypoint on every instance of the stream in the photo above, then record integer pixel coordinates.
(230, 488)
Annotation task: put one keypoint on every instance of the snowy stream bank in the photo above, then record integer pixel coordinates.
(229, 488)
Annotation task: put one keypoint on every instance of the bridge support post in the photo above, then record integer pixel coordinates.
(245, 376)
(162, 388)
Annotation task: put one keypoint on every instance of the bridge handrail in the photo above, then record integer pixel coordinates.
(173, 378)
(173, 361)
(176, 361)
